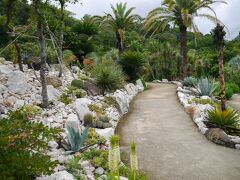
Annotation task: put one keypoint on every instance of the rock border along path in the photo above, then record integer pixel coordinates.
(168, 142)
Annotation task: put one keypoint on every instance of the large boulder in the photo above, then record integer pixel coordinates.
(61, 175)
(54, 81)
(106, 133)
(218, 136)
(17, 82)
(139, 85)
(53, 94)
(131, 90)
(91, 87)
(123, 100)
(81, 107)
(5, 70)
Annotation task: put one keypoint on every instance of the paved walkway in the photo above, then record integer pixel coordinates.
(168, 142)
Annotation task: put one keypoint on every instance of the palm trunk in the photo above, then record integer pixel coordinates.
(184, 51)
(42, 56)
(60, 52)
(120, 41)
(221, 78)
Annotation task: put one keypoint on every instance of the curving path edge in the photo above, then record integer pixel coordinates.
(168, 142)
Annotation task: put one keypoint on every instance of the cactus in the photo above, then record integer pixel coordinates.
(104, 119)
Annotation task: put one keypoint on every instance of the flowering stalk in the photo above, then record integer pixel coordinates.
(114, 155)
(133, 160)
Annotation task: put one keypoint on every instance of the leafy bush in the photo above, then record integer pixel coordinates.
(108, 76)
(94, 138)
(228, 93)
(206, 87)
(64, 98)
(189, 82)
(77, 83)
(132, 62)
(22, 146)
(227, 120)
(98, 157)
(74, 168)
(233, 86)
(230, 89)
(68, 58)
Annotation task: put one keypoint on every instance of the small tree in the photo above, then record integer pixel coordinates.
(218, 34)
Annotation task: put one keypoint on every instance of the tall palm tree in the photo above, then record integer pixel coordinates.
(182, 14)
(119, 21)
(218, 34)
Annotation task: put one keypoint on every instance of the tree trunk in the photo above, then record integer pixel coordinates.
(120, 41)
(184, 51)
(9, 8)
(60, 51)
(221, 78)
(19, 56)
(42, 56)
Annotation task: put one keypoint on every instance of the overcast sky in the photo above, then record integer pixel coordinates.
(229, 14)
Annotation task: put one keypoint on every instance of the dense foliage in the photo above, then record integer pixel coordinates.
(22, 145)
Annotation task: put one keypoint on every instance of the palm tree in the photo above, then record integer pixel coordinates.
(218, 34)
(182, 14)
(119, 21)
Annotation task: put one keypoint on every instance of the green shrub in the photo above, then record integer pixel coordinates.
(206, 87)
(132, 63)
(232, 86)
(204, 101)
(98, 157)
(64, 98)
(230, 89)
(189, 82)
(75, 169)
(77, 83)
(108, 76)
(94, 138)
(228, 93)
(227, 120)
(22, 146)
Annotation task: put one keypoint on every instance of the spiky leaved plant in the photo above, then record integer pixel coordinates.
(114, 155)
(205, 87)
(76, 137)
(189, 81)
(133, 160)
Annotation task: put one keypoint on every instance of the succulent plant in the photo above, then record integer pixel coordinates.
(104, 119)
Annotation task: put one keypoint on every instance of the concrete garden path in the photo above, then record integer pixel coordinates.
(168, 142)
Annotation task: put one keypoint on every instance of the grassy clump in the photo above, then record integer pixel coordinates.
(108, 75)
(227, 120)
(94, 138)
(22, 145)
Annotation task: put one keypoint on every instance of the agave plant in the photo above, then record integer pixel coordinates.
(189, 82)
(227, 120)
(205, 87)
(76, 137)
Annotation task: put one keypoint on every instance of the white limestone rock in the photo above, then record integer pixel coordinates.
(99, 171)
(18, 104)
(61, 175)
(17, 82)
(123, 100)
(81, 107)
(139, 85)
(106, 133)
(53, 94)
